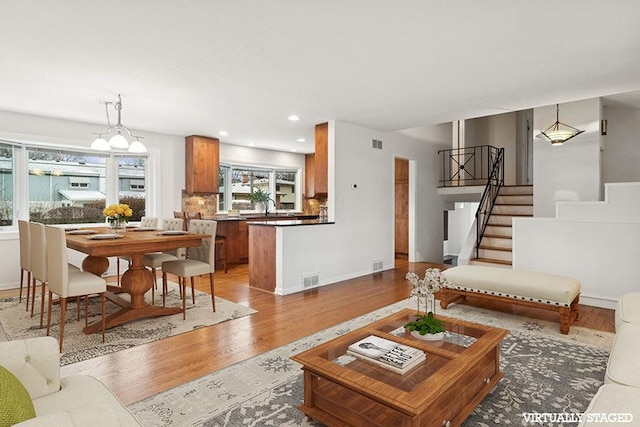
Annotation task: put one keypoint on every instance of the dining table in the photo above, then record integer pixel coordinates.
(100, 243)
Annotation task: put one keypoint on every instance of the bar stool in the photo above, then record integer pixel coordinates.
(221, 243)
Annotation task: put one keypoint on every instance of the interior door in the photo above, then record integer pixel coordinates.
(401, 208)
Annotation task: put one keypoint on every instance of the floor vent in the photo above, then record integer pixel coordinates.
(377, 266)
(310, 280)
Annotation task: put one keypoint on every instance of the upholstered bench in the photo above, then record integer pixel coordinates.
(528, 288)
(628, 309)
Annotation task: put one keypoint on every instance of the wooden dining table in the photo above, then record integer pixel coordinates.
(137, 280)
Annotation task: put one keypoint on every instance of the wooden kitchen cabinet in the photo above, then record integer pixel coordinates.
(202, 159)
(321, 160)
(309, 176)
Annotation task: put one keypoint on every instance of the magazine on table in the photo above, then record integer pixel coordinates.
(386, 353)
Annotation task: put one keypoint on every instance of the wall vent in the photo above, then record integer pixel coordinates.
(310, 280)
(377, 144)
(377, 266)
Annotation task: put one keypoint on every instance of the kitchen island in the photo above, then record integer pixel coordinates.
(236, 232)
(265, 246)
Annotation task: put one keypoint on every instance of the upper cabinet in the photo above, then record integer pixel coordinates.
(321, 160)
(309, 176)
(202, 158)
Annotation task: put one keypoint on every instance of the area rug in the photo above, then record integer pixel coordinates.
(16, 323)
(544, 371)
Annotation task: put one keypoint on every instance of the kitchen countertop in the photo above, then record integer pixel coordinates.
(273, 218)
(289, 223)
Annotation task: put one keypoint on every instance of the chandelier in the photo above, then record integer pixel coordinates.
(559, 133)
(117, 141)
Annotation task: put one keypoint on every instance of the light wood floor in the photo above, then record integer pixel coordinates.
(148, 369)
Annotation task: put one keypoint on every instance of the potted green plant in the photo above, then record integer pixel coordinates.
(260, 198)
(426, 326)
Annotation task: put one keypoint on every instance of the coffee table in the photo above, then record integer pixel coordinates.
(459, 371)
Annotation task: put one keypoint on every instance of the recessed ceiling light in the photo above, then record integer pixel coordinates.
(293, 150)
(300, 139)
(293, 118)
(251, 144)
(223, 133)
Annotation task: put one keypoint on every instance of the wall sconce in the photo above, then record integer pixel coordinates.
(603, 127)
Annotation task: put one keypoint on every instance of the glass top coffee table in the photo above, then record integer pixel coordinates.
(459, 371)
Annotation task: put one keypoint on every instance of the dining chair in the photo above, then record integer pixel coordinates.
(39, 266)
(145, 222)
(200, 260)
(25, 258)
(181, 215)
(154, 260)
(188, 216)
(66, 282)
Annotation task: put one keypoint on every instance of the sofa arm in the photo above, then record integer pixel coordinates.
(35, 362)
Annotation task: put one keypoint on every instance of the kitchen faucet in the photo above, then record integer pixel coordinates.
(266, 206)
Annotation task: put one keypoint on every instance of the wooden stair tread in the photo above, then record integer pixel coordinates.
(513, 204)
(500, 225)
(501, 214)
(497, 236)
(492, 261)
(492, 248)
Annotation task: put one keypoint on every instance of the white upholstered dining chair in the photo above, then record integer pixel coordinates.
(66, 282)
(154, 260)
(200, 260)
(145, 222)
(25, 257)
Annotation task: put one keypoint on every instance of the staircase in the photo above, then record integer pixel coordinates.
(513, 201)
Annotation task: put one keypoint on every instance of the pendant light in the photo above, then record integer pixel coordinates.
(118, 141)
(559, 133)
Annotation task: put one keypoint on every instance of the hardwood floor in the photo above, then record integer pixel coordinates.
(148, 369)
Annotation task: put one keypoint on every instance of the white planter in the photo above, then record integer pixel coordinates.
(428, 337)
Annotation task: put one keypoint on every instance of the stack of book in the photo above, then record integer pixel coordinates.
(387, 354)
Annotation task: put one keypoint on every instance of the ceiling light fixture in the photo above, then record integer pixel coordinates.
(293, 118)
(223, 133)
(559, 133)
(117, 141)
(300, 139)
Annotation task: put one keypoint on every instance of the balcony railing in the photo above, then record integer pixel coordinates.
(467, 166)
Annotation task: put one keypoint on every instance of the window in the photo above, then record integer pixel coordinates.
(6, 185)
(131, 184)
(238, 182)
(65, 187)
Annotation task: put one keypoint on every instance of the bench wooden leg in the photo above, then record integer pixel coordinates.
(447, 298)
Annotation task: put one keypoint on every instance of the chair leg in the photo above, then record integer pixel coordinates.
(164, 287)
(193, 292)
(63, 316)
(103, 300)
(78, 307)
(21, 284)
(42, 298)
(49, 312)
(154, 287)
(184, 302)
(213, 298)
(86, 311)
(33, 293)
(118, 271)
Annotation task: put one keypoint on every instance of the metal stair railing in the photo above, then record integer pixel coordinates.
(489, 195)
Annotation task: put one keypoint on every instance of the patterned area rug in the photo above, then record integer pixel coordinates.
(16, 323)
(544, 371)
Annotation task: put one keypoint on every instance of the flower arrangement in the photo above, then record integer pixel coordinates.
(118, 213)
(424, 290)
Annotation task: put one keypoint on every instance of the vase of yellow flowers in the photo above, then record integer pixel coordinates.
(117, 216)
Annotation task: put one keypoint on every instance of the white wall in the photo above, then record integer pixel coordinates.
(364, 217)
(595, 242)
(569, 169)
(238, 154)
(460, 221)
(499, 131)
(621, 155)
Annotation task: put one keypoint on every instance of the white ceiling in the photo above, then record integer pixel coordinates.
(201, 66)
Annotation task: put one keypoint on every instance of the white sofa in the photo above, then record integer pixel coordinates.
(77, 400)
(621, 392)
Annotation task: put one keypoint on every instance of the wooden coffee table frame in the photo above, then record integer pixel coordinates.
(442, 391)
